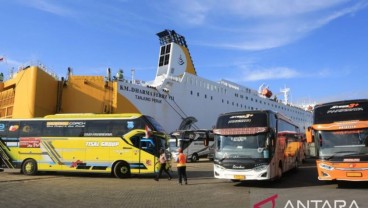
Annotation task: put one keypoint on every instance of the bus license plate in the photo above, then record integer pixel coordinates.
(353, 174)
(239, 177)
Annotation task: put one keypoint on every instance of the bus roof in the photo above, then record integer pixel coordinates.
(77, 116)
(93, 115)
(340, 102)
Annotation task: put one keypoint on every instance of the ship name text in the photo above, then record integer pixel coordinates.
(147, 95)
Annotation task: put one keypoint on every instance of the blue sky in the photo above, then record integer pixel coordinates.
(316, 48)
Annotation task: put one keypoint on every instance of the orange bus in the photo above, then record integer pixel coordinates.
(340, 136)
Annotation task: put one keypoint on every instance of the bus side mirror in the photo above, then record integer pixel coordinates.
(308, 134)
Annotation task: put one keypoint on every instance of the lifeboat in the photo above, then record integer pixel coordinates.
(266, 92)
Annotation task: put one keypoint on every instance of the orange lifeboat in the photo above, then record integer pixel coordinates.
(266, 92)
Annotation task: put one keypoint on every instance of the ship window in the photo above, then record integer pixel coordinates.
(227, 102)
(168, 49)
(211, 97)
(191, 92)
(163, 50)
(246, 97)
(198, 94)
(222, 100)
(205, 96)
(232, 103)
(167, 56)
(161, 61)
(251, 99)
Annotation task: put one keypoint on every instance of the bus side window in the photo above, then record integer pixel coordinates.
(118, 128)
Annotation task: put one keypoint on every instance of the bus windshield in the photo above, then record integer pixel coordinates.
(343, 143)
(241, 146)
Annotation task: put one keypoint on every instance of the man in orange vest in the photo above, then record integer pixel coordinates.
(181, 165)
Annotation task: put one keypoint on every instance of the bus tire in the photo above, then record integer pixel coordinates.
(194, 157)
(29, 167)
(122, 170)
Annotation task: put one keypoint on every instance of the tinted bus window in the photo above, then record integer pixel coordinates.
(341, 111)
(285, 126)
(155, 124)
(98, 128)
(243, 120)
(30, 128)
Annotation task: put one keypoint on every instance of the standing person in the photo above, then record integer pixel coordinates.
(162, 161)
(181, 165)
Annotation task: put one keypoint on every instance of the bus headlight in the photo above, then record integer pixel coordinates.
(220, 167)
(260, 168)
(326, 167)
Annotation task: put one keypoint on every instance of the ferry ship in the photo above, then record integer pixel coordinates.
(180, 99)
(177, 98)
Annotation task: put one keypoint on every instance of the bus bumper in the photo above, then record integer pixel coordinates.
(242, 175)
(345, 171)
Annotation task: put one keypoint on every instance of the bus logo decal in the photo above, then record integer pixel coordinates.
(130, 124)
(2, 127)
(13, 127)
(29, 142)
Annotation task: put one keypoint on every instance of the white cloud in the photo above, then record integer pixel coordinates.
(270, 73)
(258, 25)
(48, 6)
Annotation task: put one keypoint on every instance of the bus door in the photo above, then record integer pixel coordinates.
(145, 156)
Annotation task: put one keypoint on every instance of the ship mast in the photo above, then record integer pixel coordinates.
(286, 91)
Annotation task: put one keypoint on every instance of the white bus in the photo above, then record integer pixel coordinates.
(255, 145)
(194, 143)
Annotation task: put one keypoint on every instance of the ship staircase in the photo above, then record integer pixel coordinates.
(187, 121)
(170, 36)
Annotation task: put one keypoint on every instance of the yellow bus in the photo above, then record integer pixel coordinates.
(340, 136)
(101, 143)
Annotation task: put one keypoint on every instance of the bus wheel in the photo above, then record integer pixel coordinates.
(122, 170)
(29, 167)
(194, 157)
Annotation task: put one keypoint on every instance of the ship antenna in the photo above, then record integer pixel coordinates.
(133, 72)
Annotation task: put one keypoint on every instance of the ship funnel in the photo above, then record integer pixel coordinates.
(174, 58)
